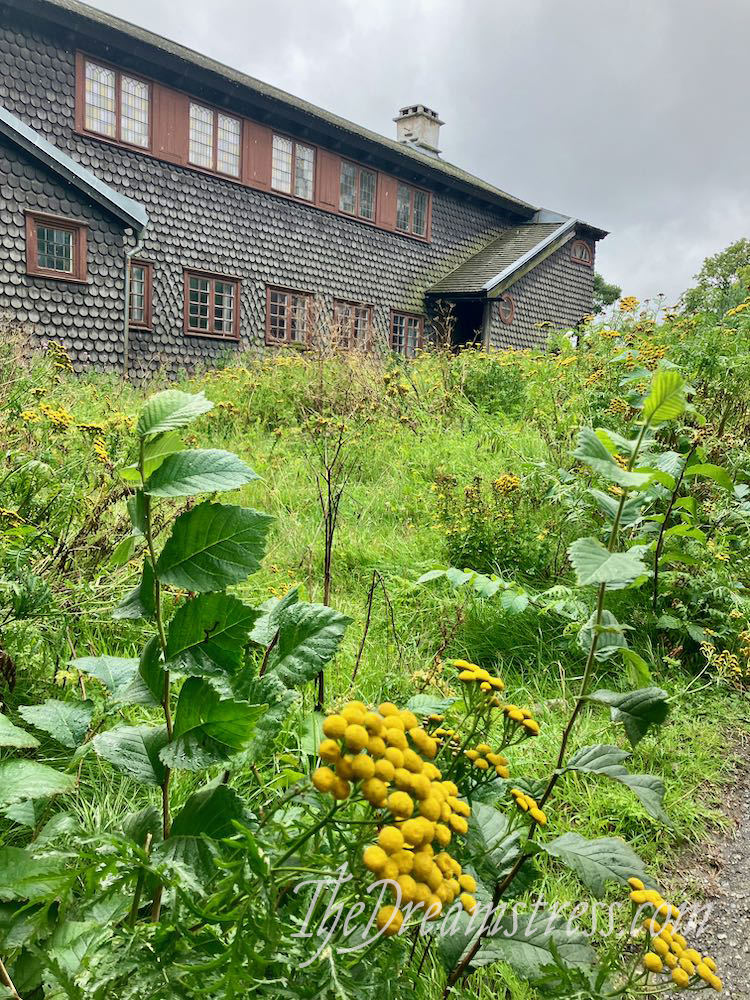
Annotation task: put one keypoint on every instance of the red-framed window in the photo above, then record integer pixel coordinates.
(212, 303)
(357, 190)
(506, 308)
(581, 252)
(412, 210)
(353, 323)
(56, 247)
(214, 140)
(407, 333)
(141, 286)
(116, 104)
(288, 316)
(293, 167)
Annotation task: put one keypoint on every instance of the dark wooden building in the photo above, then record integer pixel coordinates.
(160, 209)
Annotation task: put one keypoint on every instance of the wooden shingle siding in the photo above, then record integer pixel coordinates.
(170, 141)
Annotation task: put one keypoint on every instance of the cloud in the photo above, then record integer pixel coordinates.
(631, 115)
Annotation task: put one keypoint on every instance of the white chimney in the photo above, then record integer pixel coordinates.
(419, 126)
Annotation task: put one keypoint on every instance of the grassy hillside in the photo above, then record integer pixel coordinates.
(462, 462)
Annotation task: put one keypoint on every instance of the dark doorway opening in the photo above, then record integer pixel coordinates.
(468, 323)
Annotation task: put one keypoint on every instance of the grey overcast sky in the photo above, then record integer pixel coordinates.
(630, 114)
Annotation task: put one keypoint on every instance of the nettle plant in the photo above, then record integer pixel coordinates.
(558, 959)
(112, 910)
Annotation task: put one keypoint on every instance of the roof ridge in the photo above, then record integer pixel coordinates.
(270, 91)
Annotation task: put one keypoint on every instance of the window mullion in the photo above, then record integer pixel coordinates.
(215, 151)
(118, 105)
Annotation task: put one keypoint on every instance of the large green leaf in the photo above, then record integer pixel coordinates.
(593, 452)
(272, 611)
(115, 672)
(607, 760)
(637, 710)
(594, 563)
(67, 722)
(596, 862)
(25, 877)
(14, 736)
(209, 812)
(199, 471)
(28, 779)
(207, 729)
(154, 453)
(309, 635)
(708, 471)
(526, 942)
(139, 603)
(492, 847)
(212, 546)
(207, 635)
(268, 690)
(134, 750)
(147, 684)
(611, 636)
(170, 409)
(632, 509)
(666, 399)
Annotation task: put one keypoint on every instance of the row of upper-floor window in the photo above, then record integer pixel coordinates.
(58, 248)
(119, 107)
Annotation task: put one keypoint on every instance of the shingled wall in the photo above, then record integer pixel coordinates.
(86, 318)
(558, 292)
(202, 221)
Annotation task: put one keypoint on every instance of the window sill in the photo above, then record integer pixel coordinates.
(202, 335)
(71, 279)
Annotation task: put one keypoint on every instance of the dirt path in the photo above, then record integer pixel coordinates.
(718, 872)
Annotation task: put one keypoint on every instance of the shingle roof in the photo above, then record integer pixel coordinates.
(417, 160)
(124, 208)
(499, 260)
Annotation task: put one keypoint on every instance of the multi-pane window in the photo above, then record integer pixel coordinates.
(412, 206)
(293, 168)
(406, 333)
(353, 323)
(581, 252)
(140, 294)
(357, 191)
(287, 316)
(211, 304)
(116, 105)
(55, 248)
(215, 140)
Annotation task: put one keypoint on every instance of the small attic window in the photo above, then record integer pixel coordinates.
(506, 308)
(581, 253)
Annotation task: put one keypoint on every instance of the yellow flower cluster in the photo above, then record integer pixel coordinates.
(470, 673)
(506, 484)
(528, 804)
(93, 426)
(609, 334)
(30, 416)
(594, 377)
(59, 356)
(484, 758)
(650, 354)
(739, 309)
(629, 304)
(669, 950)
(100, 449)
(618, 406)
(389, 756)
(522, 718)
(59, 416)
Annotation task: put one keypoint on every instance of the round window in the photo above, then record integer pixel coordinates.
(507, 309)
